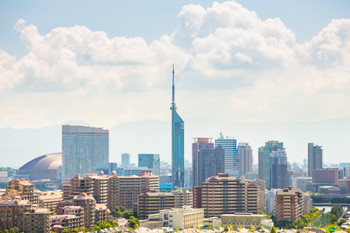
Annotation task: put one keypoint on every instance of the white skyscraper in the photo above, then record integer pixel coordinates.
(231, 155)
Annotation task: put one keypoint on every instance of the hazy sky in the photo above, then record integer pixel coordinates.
(109, 62)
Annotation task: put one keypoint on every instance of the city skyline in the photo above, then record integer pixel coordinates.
(277, 69)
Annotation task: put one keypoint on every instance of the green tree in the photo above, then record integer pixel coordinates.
(128, 213)
(133, 222)
(273, 230)
(337, 211)
(226, 228)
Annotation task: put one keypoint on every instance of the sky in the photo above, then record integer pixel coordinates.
(109, 62)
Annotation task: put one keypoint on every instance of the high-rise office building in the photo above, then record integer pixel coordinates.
(245, 155)
(188, 177)
(279, 170)
(151, 161)
(125, 160)
(210, 163)
(177, 143)
(264, 160)
(82, 149)
(231, 154)
(198, 145)
(314, 154)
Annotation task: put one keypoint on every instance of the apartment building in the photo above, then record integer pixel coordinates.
(11, 213)
(22, 188)
(182, 198)
(153, 202)
(49, 200)
(60, 222)
(289, 204)
(36, 220)
(101, 213)
(222, 194)
(89, 205)
(91, 184)
(125, 190)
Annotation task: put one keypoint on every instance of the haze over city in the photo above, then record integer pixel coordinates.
(255, 71)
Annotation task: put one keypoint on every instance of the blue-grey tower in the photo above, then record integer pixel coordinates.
(177, 143)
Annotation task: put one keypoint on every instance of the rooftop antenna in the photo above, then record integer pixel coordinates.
(173, 86)
(173, 106)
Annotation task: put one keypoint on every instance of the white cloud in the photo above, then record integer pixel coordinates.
(225, 49)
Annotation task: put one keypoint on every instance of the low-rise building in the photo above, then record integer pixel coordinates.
(244, 220)
(213, 222)
(182, 218)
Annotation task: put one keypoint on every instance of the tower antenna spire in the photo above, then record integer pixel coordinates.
(173, 87)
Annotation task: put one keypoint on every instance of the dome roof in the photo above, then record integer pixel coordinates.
(44, 162)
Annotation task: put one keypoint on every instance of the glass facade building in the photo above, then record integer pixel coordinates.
(231, 154)
(265, 161)
(151, 161)
(83, 148)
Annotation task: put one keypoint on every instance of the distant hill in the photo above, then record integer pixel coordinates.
(18, 146)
